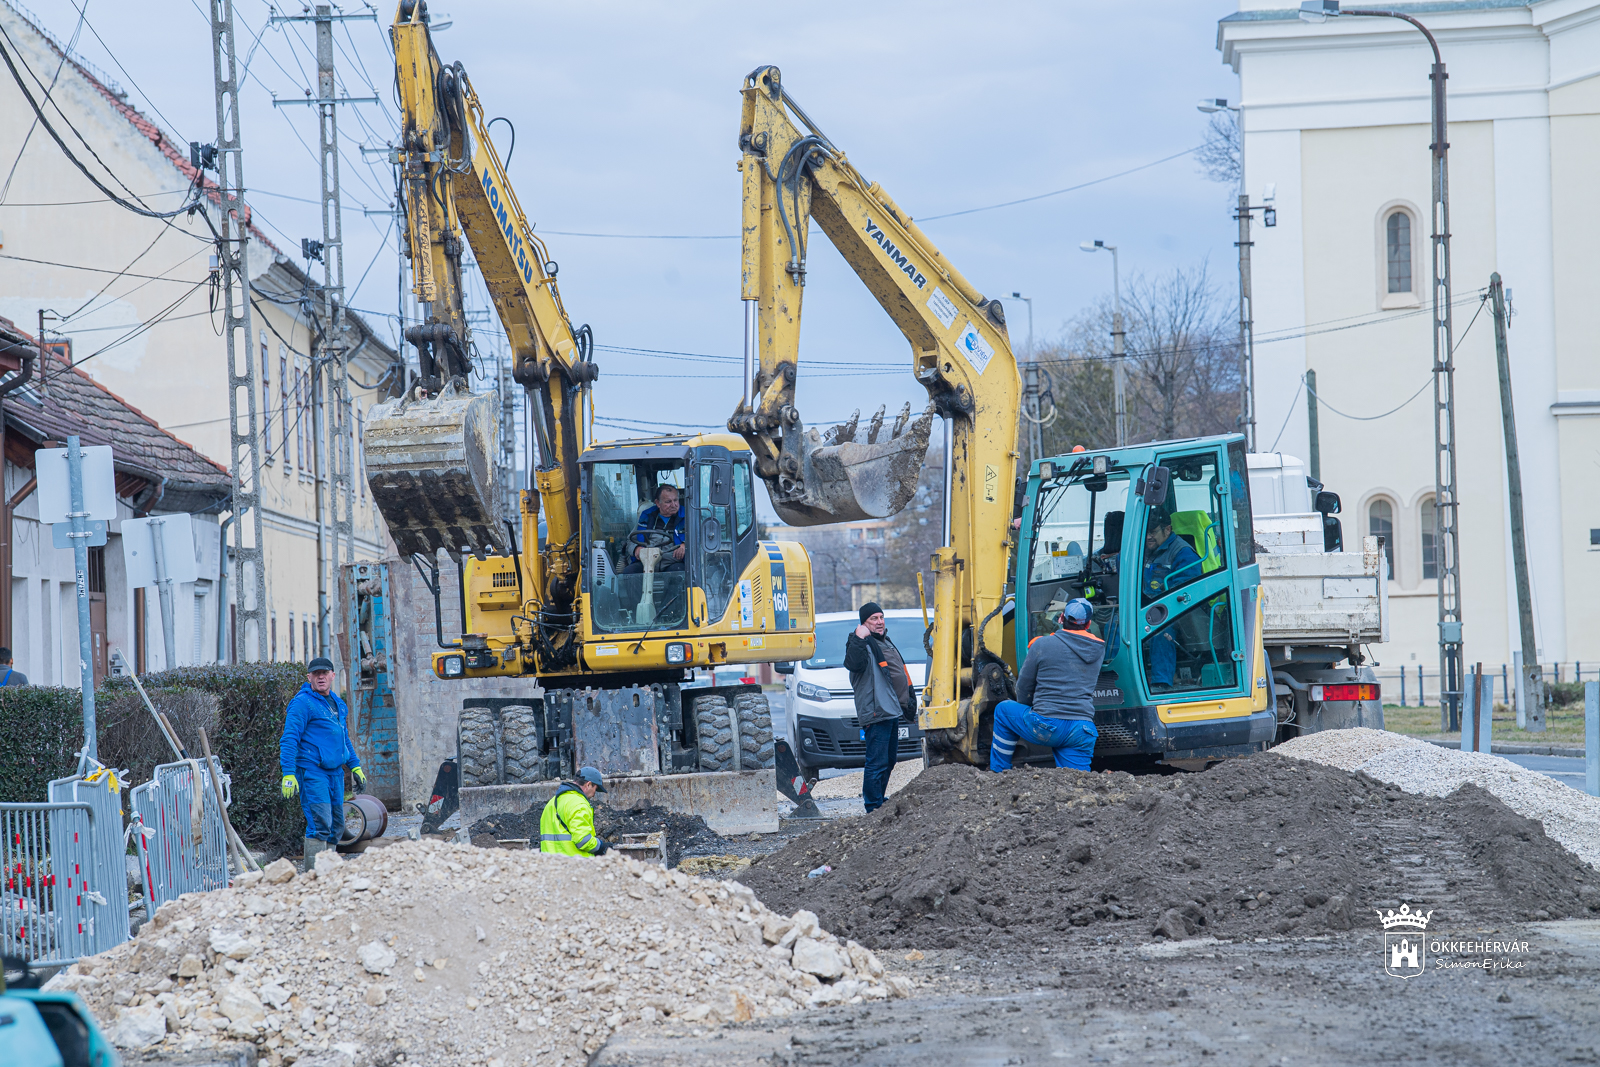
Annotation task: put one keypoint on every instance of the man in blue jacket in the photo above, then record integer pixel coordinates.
(313, 755)
(664, 516)
(1055, 695)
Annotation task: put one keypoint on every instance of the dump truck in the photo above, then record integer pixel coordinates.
(640, 560)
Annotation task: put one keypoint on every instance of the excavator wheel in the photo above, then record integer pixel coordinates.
(475, 747)
(711, 715)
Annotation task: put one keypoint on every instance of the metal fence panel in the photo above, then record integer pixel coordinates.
(175, 855)
(43, 854)
(99, 903)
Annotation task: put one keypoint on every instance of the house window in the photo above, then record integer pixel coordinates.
(300, 420)
(291, 637)
(1380, 523)
(283, 400)
(1397, 230)
(266, 402)
(1427, 519)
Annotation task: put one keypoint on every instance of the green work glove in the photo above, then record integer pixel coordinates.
(291, 785)
(360, 777)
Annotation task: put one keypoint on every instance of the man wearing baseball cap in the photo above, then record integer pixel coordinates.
(1055, 695)
(566, 827)
(313, 753)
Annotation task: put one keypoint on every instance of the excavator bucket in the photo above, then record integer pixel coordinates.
(844, 479)
(430, 463)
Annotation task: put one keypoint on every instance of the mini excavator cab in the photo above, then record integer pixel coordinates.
(1158, 539)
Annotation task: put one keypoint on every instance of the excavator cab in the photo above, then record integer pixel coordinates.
(1158, 539)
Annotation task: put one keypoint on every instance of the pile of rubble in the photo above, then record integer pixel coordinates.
(444, 954)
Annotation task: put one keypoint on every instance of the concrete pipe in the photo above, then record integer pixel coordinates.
(365, 819)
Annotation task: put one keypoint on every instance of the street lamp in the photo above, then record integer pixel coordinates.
(1446, 504)
(1118, 353)
(1030, 402)
(1247, 335)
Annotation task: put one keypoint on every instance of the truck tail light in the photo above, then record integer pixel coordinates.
(1362, 691)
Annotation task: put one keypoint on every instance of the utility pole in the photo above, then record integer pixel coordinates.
(1247, 333)
(1531, 683)
(332, 420)
(250, 575)
(1311, 425)
(1118, 338)
(1446, 491)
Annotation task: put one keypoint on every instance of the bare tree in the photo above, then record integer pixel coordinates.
(1219, 156)
(1182, 365)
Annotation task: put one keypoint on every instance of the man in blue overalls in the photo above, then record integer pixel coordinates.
(313, 755)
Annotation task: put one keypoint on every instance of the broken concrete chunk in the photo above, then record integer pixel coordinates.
(376, 957)
(278, 872)
(240, 1005)
(328, 861)
(775, 926)
(814, 957)
(233, 944)
(190, 966)
(140, 1027)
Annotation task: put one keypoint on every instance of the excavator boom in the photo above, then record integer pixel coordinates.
(960, 353)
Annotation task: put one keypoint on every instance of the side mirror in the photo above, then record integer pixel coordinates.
(1327, 503)
(721, 485)
(1152, 488)
(783, 668)
(1332, 534)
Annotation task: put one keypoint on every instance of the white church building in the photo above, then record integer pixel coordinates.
(1336, 134)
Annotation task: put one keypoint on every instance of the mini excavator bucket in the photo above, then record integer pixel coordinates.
(431, 468)
(845, 479)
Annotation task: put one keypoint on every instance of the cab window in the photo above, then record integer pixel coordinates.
(1194, 651)
(1184, 536)
(744, 504)
(1077, 541)
(633, 589)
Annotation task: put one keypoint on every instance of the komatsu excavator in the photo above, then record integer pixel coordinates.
(612, 600)
(1185, 677)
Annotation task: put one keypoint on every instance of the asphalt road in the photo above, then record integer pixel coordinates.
(1569, 770)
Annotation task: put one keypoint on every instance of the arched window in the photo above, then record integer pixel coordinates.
(1380, 523)
(1397, 230)
(1427, 520)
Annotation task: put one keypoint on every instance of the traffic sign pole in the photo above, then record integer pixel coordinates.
(79, 519)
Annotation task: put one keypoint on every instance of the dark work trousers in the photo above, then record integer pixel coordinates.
(881, 744)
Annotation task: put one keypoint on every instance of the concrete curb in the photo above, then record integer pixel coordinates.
(1523, 750)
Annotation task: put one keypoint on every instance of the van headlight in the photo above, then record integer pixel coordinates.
(679, 652)
(807, 691)
(452, 666)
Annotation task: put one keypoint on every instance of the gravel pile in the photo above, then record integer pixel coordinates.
(1568, 816)
(444, 954)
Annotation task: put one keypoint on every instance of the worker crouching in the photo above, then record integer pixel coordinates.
(566, 827)
(1055, 705)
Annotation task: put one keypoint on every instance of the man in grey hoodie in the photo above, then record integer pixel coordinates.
(1055, 705)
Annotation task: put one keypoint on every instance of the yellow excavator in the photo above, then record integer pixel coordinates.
(641, 561)
(1185, 678)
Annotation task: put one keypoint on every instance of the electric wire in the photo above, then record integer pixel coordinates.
(72, 43)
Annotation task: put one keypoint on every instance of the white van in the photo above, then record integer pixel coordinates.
(820, 720)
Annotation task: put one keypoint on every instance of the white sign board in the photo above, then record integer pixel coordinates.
(55, 490)
(177, 542)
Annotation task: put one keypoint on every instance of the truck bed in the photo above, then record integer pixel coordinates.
(1311, 597)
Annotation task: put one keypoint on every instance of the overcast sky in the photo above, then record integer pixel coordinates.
(627, 117)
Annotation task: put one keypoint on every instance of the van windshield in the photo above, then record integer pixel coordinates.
(906, 633)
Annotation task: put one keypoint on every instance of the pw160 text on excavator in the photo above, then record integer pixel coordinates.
(1187, 676)
(648, 562)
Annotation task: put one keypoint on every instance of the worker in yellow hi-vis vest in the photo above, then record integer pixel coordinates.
(567, 826)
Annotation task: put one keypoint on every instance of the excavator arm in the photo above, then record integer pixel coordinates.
(429, 452)
(960, 353)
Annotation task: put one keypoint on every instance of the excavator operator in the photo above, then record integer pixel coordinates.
(662, 517)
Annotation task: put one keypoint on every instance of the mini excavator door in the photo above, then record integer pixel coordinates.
(1190, 607)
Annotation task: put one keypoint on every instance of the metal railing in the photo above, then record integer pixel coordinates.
(182, 841)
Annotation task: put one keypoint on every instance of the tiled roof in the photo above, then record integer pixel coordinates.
(67, 401)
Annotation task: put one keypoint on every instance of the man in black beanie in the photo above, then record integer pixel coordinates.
(883, 694)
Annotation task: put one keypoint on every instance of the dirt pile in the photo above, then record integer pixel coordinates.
(686, 834)
(1571, 817)
(454, 955)
(1251, 848)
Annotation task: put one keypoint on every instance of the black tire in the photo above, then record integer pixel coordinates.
(755, 730)
(476, 747)
(715, 733)
(519, 736)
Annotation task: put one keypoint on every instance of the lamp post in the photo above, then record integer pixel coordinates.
(1247, 335)
(1118, 352)
(1030, 404)
(1446, 504)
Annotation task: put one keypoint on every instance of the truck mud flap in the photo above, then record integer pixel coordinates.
(731, 802)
